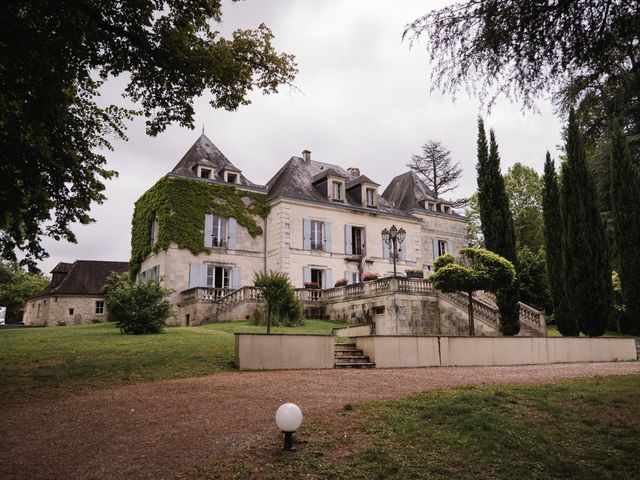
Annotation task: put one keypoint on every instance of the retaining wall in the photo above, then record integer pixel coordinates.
(259, 351)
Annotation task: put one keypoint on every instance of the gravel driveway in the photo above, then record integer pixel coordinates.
(160, 429)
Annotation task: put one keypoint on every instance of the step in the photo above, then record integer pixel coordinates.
(355, 351)
(346, 345)
(355, 365)
(352, 359)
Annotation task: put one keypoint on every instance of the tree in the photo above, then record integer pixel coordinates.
(565, 320)
(283, 306)
(487, 271)
(435, 167)
(532, 275)
(55, 58)
(524, 190)
(474, 225)
(16, 286)
(137, 307)
(583, 52)
(585, 253)
(497, 225)
(625, 196)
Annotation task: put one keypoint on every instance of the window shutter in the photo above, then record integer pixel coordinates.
(403, 249)
(348, 240)
(233, 224)
(328, 278)
(306, 236)
(327, 236)
(237, 277)
(194, 275)
(306, 274)
(347, 275)
(364, 240)
(434, 242)
(450, 247)
(208, 231)
(386, 250)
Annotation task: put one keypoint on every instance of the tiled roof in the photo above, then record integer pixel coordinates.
(84, 277)
(204, 152)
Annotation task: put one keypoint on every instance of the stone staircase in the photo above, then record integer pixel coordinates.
(348, 356)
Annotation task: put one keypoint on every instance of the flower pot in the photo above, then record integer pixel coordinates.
(415, 274)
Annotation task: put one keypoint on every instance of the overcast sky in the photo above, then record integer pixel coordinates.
(364, 102)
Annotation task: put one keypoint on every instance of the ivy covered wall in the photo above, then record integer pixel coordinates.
(179, 205)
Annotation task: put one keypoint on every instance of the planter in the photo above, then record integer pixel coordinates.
(312, 287)
(415, 275)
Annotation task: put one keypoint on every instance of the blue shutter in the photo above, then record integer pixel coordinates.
(434, 243)
(306, 274)
(348, 241)
(327, 236)
(364, 240)
(328, 278)
(208, 231)
(450, 247)
(403, 249)
(386, 250)
(195, 275)
(233, 223)
(347, 275)
(237, 277)
(306, 236)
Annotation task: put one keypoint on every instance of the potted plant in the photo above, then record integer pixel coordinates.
(414, 273)
(341, 282)
(370, 277)
(312, 285)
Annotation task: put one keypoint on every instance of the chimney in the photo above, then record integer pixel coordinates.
(306, 156)
(354, 172)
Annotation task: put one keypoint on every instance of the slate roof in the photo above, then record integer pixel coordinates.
(204, 152)
(295, 180)
(83, 277)
(360, 179)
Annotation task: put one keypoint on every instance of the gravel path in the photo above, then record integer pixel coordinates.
(159, 429)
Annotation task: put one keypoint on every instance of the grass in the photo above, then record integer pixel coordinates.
(552, 331)
(586, 429)
(49, 362)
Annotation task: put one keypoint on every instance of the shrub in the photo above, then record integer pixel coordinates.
(341, 282)
(283, 306)
(417, 271)
(137, 307)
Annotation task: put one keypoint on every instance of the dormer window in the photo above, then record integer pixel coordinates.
(336, 189)
(371, 197)
(205, 173)
(431, 206)
(231, 177)
(447, 208)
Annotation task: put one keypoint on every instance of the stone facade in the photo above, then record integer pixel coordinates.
(65, 310)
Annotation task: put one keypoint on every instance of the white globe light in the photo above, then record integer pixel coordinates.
(288, 417)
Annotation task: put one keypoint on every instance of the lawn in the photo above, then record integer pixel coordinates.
(582, 429)
(552, 331)
(44, 362)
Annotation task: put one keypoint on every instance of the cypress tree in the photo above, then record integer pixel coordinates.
(586, 268)
(497, 224)
(625, 196)
(566, 322)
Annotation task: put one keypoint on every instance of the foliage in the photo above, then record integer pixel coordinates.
(179, 205)
(435, 168)
(55, 58)
(283, 306)
(625, 196)
(497, 225)
(585, 253)
(414, 270)
(474, 225)
(370, 276)
(581, 51)
(564, 319)
(532, 273)
(487, 271)
(16, 286)
(137, 307)
(524, 190)
(341, 282)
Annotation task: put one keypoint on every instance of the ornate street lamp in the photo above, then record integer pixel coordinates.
(392, 237)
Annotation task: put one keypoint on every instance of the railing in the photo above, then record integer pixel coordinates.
(532, 317)
(372, 288)
(240, 295)
(487, 312)
(203, 294)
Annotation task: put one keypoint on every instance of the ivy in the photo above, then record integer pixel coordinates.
(179, 206)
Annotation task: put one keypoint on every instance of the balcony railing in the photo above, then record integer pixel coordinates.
(376, 287)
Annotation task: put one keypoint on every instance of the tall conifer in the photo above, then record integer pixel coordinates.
(625, 196)
(566, 322)
(586, 268)
(497, 224)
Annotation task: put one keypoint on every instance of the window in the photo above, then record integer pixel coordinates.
(153, 231)
(218, 277)
(378, 310)
(357, 241)
(316, 277)
(442, 247)
(352, 277)
(232, 177)
(71, 311)
(337, 190)
(151, 274)
(447, 209)
(219, 235)
(431, 206)
(99, 307)
(205, 173)
(316, 235)
(371, 197)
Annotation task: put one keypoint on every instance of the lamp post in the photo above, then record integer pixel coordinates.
(392, 237)
(288, 419)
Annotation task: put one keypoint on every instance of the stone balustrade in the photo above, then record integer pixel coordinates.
(372, 288)
(488, 313)
(203, 294)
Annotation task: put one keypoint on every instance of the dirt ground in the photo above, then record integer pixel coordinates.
(160, 429)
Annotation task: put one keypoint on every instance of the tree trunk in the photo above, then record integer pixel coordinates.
(472, 330)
